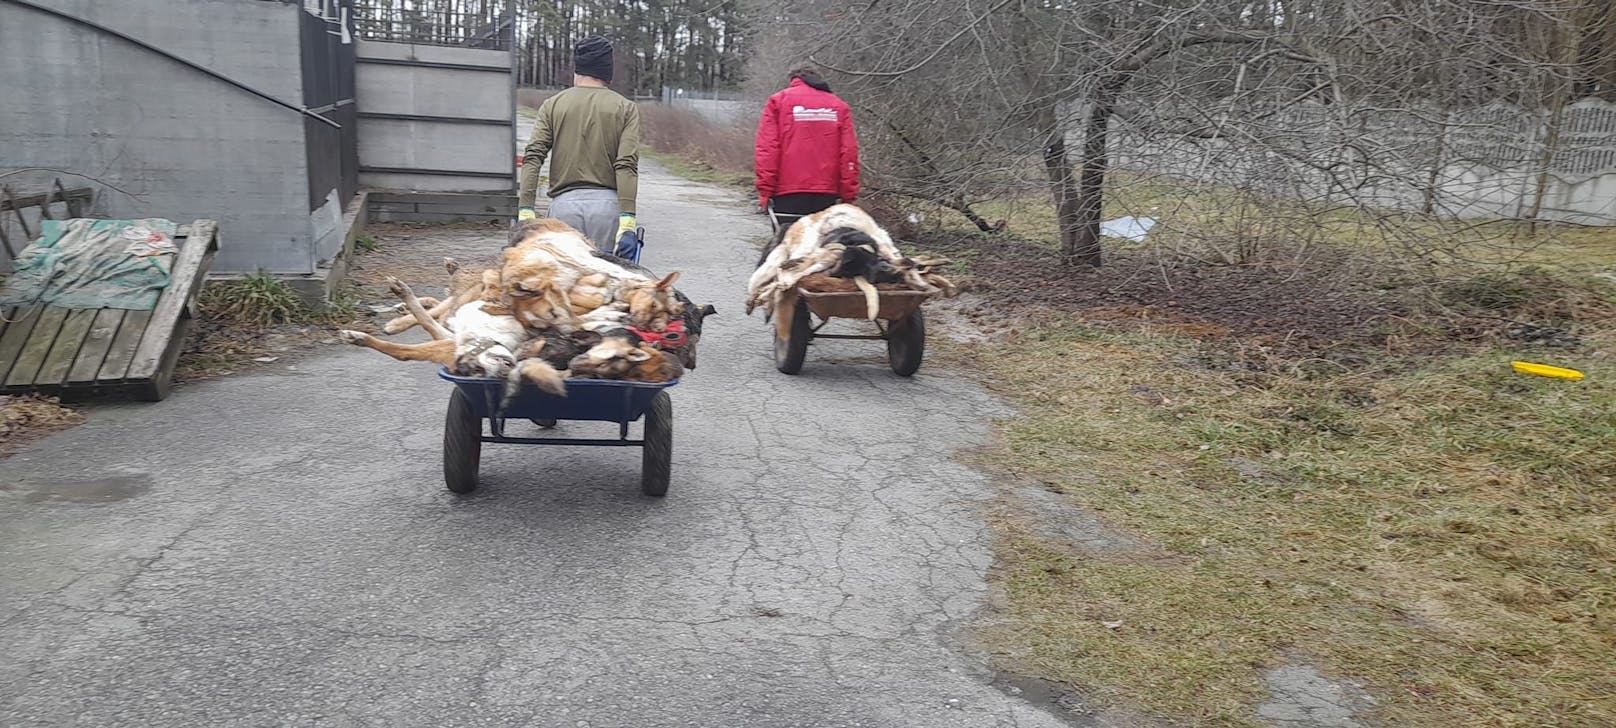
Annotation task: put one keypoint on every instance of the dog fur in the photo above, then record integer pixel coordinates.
(842, 241)
(479, 339)
(622, 355)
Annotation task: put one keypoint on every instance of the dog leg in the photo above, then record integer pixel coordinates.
(538, 373)
(441, 351)
(435, 329)
(435, 308)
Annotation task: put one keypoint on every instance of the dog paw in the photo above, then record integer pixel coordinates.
(399, 325)
(352, 337)
(451, 265)
(396, 286)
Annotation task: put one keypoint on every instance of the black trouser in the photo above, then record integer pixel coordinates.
(785, 209)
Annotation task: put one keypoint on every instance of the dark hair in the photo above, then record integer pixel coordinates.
(810, 76)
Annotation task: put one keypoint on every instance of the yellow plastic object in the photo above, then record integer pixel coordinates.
(1544, 370)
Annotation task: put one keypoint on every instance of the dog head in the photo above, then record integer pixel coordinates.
(859, 257)
(651, 304)
(529, 287)
(621, 355)
(484, 358)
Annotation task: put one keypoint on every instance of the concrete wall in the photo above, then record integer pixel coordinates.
(175, 143)
(462, 107)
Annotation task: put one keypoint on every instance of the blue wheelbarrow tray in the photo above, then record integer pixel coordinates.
(477, 399)
(598, 400)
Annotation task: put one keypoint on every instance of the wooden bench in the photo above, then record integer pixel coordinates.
(76, 352)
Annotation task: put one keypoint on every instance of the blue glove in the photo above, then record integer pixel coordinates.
(628, 246)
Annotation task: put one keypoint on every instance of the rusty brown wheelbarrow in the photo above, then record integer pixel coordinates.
(898, 322)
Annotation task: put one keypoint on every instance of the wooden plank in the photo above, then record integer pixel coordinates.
(16, 334)
(44, 207)
(157, 387)
(122, 351)
(6, 316)
(96, 345)
(7, 202)
(185, 281)
(14, 203)
(466, 199)
(435, 217)
(65, 351)
(37, 347)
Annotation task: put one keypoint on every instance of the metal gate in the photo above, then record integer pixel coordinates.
(328, 90)
(437, 100)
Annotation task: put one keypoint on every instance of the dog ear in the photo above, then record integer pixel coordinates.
(637, 355)
(668, 280)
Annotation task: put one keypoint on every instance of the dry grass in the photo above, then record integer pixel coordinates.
(256, 318)
(696, 148)
(25, 418)
(1224, 225)
(1426, 522)
(528, 99)
(1447, 534)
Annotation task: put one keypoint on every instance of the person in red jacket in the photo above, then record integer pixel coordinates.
(806, 154)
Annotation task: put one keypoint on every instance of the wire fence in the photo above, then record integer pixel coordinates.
(485, 25)
(1494, 160)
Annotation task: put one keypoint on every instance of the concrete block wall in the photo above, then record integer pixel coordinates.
(460, 104)
(166, 140)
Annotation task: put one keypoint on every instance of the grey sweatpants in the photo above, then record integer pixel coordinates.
(592, 212)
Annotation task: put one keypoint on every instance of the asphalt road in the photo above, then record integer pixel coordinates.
(277, 548)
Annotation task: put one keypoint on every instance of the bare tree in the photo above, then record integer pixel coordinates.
(1371, 104)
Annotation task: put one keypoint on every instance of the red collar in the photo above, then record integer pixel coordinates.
(673, 336)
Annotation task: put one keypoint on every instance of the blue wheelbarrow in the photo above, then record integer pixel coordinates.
(479, 399)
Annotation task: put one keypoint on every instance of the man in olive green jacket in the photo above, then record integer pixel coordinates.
(592, 136)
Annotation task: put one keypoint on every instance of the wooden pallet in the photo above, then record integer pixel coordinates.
(77, 352)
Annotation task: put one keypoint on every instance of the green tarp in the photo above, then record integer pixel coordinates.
(93, 264)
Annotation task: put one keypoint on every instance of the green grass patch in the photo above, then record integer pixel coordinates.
(263, 300)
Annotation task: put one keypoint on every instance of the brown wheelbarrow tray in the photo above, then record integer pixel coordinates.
(898, 320)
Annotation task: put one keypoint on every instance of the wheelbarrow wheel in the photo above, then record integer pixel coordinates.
(906, 344)
(656, 457)
(462, 444)
(790, 352)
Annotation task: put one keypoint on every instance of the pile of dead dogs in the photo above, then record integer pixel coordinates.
(840, 250)
(555, 308)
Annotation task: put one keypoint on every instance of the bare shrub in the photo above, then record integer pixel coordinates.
(533, 97)
(723, 147)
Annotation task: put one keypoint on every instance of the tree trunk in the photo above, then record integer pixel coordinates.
(1078, 197)
(1565, 49)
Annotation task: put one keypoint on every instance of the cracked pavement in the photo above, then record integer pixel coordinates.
(277, 548)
